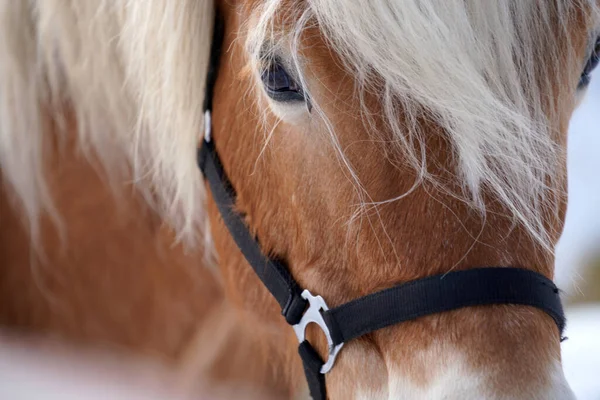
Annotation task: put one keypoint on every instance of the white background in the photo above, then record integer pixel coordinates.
(581, 240)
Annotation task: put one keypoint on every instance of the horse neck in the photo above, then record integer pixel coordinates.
(110, 276)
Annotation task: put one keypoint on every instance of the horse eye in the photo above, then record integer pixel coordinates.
(279, 85)
(590, 65)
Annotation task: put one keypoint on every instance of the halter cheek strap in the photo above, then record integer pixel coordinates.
(422, 297)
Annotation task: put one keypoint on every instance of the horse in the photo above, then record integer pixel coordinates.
(369, 145)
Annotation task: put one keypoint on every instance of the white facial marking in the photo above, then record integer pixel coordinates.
(454, 379)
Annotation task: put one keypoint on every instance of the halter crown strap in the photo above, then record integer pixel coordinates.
(411, 300)
(273, 273)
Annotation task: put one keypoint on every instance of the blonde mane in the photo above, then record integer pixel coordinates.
(133, 72)
(471, 67)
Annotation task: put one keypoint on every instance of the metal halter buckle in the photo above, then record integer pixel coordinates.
(316, 304)
(207, 125)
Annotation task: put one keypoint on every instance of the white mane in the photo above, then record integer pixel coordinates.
(133, 71)
(471, 66)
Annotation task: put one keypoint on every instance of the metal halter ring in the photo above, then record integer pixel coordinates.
(313, 315)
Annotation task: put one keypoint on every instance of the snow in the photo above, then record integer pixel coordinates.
(581, 351)
(581, 239)
(581, 234)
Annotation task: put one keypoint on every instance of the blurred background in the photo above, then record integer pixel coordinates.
(578, 252)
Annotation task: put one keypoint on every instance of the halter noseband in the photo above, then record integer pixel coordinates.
(418, 298)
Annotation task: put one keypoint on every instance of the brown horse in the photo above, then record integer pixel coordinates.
(369, 143)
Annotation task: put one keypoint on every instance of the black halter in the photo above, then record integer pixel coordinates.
(431, 295)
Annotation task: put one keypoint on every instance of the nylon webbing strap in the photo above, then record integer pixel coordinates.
(218, 36)
(435, 294)
(274, 274)
(312, 363)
